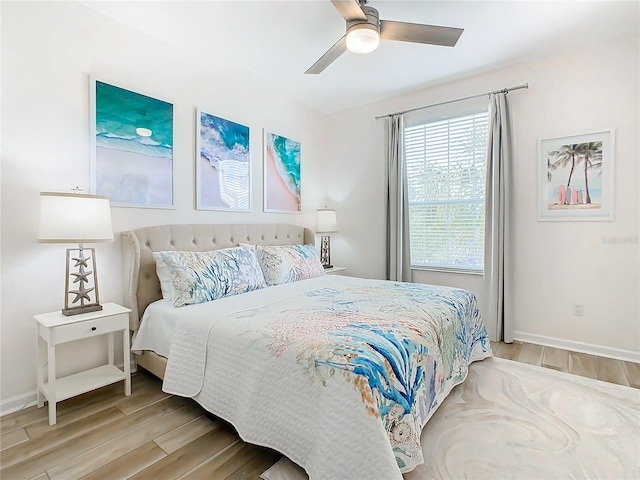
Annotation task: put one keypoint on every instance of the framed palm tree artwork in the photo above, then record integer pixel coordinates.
(575, 177)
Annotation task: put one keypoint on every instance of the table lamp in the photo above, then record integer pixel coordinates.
(77, 218)
(327, 222)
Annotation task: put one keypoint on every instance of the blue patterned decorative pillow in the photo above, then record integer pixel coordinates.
(200, 277)
(289, 263)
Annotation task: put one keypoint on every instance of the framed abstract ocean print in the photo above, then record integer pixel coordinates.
(575, 177)
(281, 174)
(223, 164)
(131, 138)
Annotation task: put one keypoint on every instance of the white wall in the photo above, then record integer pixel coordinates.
(556, 264)
(48, 51)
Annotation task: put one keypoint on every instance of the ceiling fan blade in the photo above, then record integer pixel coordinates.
(349, 9)
(328, 58)
(418, 33)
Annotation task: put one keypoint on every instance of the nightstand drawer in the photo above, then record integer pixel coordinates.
(89, 328)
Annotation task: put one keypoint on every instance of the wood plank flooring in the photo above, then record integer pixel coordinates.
(151, 435)
(583, 364)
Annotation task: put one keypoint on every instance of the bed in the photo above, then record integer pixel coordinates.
(340, 374)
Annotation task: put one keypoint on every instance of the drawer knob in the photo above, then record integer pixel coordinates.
(93, 329)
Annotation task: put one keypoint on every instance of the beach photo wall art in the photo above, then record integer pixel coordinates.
(223, 165)
(575, 177)
(131, 147)
(281, 174)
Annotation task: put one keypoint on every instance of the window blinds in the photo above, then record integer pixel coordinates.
(446, 161)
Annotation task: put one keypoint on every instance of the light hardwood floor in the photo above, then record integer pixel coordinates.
(151, 435)
(585, 365)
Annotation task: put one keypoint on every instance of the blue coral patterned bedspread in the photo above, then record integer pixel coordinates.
(338, 373)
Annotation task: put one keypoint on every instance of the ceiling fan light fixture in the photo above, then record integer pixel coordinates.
(363, 38)
(365, 29)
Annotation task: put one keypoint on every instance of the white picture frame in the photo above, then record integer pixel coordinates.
(282, 174)
(576, 177)
(223, 164)
(131, 138)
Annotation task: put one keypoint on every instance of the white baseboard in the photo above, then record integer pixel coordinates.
(18, 402)
(599, 350)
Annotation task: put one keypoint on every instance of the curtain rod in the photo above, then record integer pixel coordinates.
(504, 90)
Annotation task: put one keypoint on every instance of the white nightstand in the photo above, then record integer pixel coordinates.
(54, 328)
(334, 270)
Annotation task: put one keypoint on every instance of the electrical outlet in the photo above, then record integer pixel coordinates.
(578, 309)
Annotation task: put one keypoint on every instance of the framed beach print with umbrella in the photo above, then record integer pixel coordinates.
(223, 164)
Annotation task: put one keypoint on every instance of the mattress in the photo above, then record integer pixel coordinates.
(156, 328)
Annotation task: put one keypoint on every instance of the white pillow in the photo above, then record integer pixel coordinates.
(166, 285)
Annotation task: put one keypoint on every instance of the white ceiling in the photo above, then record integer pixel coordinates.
(279, 40)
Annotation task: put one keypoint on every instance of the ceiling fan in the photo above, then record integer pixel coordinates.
(365, 29)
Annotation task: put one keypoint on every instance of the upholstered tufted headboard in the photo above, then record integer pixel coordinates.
(141, 284)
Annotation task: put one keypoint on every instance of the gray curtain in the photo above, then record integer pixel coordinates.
(398, 255)
(497, 242)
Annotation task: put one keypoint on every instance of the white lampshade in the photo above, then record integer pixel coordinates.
(327, 221)
(363, 38)
(74, 218)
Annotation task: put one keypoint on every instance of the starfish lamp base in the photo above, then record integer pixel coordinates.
(81, 285)
(325, 251)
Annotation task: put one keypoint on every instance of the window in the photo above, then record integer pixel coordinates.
(446, 162)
